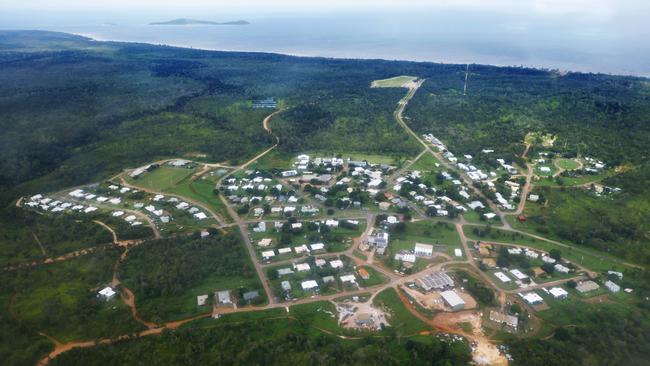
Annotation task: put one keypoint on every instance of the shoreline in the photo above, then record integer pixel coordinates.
(559, 71)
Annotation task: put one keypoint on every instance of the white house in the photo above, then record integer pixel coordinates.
(308, 285)
(107, 293)
(302, 267)
(532, 298)
(348, 278)
(502, 277)
(410, 258)
(611, 286)
(423, 250)
(317, 246)
(558, 293)
(518, 274)
(561, 269)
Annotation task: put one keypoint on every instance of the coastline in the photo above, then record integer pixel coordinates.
(560, 71)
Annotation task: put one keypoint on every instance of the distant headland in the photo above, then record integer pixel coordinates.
(184, 21)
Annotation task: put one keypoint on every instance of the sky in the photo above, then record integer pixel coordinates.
(593, 8)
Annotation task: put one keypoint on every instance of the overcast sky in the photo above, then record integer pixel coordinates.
(594, 8)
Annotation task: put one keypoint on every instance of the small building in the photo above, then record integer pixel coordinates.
(302, 267)
(285, 271)
(611, 286)
(309, 285)
(348, 279)
(107, 293)
(561, 269)
(329, 279)
(337, 263)
(423, 250)
(286, 285)
(268, 254)
(379, 239)
(301, 249)
(615, 273)
(265, 242)
(405, 257)
(317, 246)
(587, 286)
(201, 300)
(518, 274)
(502, 277)
(453, 300)
(223, 297)
(558, 293)
(531, 298)
(384, 206)
(250, 295)
(458, 252)
(363, 273)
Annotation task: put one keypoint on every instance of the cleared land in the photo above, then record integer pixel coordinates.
(394, 82)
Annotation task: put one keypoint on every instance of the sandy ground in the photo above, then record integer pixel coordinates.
(433, 300)
(483, 352)
(348, 312)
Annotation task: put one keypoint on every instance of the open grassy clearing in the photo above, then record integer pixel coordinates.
(394, 82)
(585, 179)
(426, 163)
(162, 178)
(201, 190)
(567, 164)
(400, 319)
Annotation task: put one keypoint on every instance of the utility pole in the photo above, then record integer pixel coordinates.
(466, 76)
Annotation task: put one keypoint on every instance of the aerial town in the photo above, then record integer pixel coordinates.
(441, 230)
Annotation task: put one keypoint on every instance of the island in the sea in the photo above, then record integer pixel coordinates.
(184, 21)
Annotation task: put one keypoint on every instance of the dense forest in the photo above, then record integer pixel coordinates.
(165, 274)
(607, 117)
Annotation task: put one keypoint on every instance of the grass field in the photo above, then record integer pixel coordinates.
(376, 278)
(162, 178)
(474, 217)
(401, 320)
(567, 164)
(201, 190)
(426, 163)
(575, 181)
(425, 232)
(394, 82)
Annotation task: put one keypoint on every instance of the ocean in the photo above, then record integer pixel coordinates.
(615, 44)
